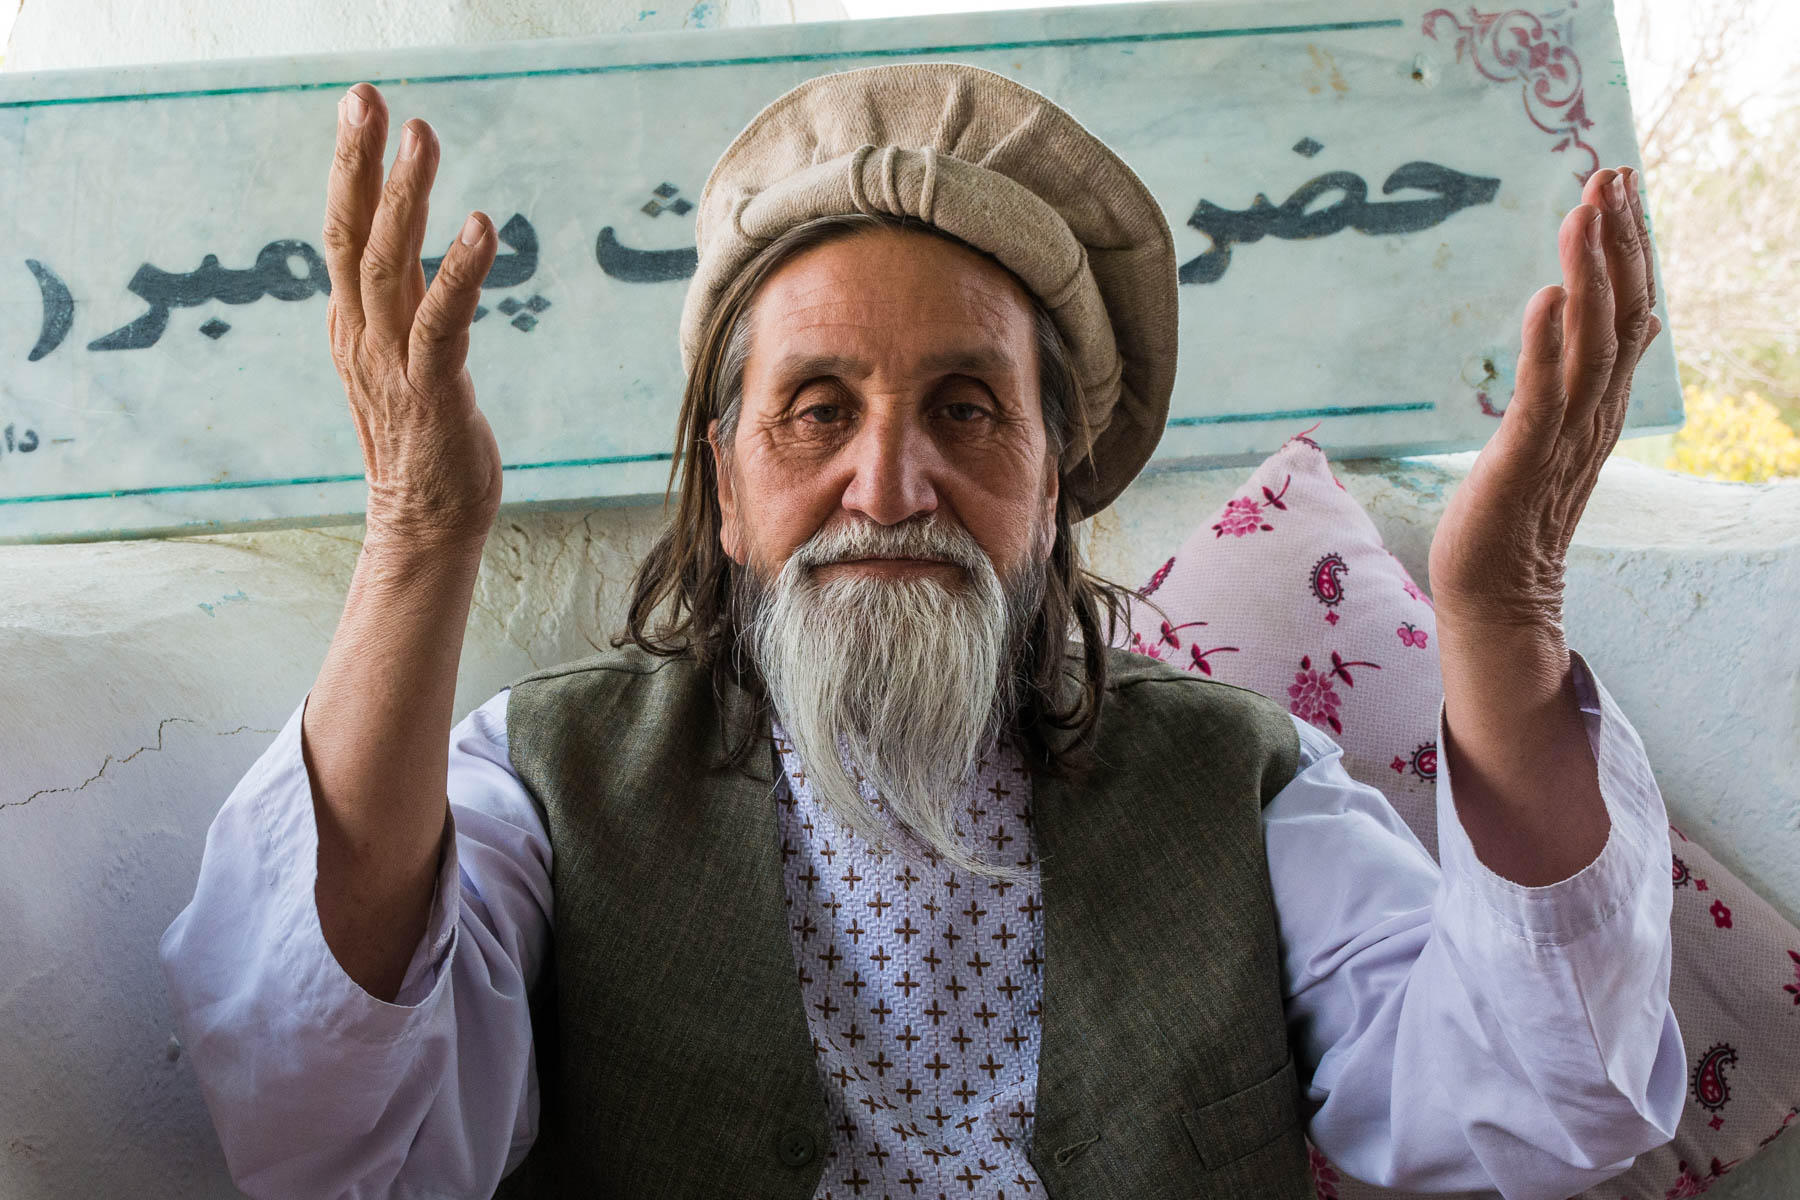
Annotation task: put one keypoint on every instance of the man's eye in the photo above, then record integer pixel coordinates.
(821, 414)
(963, 413)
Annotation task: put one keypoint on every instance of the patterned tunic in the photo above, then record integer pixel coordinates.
(923, 995)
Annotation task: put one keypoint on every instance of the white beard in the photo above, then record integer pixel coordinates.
(905, 681)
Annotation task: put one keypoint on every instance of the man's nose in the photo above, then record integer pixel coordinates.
(894, 464)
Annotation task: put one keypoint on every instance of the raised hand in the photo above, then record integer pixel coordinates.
(1498, 553)
(430, 457)
(1516, 746)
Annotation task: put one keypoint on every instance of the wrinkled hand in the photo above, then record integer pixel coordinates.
(1497, 557)
(432, 464)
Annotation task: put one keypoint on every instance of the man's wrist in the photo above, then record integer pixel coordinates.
(412, 548)
(1518, 653)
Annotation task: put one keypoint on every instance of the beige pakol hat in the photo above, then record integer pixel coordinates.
(1000, 166)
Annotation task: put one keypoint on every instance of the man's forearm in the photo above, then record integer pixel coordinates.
(1526, 785)
(375, 737)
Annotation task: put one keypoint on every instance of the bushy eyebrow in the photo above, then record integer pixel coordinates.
(972, 360)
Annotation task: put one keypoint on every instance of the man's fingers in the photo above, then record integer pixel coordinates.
(1637, 214)
(1624, 240)
(439, 341)
(1538, 396)
(1590, 342)
(351, 194)
(393, 282)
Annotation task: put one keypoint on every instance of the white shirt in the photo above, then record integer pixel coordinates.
(1456, 1031)
(923, 991)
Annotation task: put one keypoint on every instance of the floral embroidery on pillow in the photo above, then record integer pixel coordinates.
(1197, 656)
(1406, 579)
(1690, 1184)
(1422, 762)
(1312, 697)
(1156, 580)
(1244, 515)
(1682, 875)
(1708, 1084)
(1793, 989)
(1325, 1179)
(1326, 579)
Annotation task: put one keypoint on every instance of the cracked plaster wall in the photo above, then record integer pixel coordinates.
(143, 678)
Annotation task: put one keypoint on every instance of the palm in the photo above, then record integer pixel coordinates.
(429, 455)
(1499, 549)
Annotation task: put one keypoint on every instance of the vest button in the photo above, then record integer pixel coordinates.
(797, 1147)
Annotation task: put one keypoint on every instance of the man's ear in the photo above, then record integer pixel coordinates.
(730, 538)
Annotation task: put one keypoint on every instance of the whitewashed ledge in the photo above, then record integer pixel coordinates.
(143, 678)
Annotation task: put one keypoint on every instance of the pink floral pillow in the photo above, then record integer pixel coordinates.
(1288, 591)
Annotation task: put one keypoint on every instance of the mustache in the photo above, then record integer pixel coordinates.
(926, 538)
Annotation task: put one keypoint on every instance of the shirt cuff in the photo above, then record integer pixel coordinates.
(289, 837)
(433, 951)
(1635, 849)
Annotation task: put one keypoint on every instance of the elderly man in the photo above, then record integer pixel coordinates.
(844, 873)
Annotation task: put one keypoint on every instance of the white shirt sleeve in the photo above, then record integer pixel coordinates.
(1460, 1031)
(318, 1088)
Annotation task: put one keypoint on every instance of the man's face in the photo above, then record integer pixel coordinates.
(892, 375)
(890, 492)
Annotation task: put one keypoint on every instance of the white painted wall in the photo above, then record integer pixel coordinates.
(103, 33)
(141, 679)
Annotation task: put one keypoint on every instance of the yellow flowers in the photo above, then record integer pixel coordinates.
(1738, 437)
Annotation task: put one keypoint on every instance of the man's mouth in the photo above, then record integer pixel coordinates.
(890, 558)
(892, 564)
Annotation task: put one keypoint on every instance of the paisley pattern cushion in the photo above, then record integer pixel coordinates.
(1288, 591)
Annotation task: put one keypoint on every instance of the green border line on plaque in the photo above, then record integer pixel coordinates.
(751, 60)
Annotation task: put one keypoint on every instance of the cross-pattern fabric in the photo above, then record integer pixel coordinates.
(923, 990)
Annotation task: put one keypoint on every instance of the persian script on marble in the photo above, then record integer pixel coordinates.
(1363, 197)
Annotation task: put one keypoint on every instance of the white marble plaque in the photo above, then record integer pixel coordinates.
(1363, 194)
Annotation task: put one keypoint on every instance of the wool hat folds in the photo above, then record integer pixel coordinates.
(1001, 167)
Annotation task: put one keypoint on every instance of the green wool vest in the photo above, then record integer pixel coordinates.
(672, 1048)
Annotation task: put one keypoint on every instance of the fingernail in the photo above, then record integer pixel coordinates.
(1593, 230)
(1615, 193)
(471, 230)
(409, 141)
(354, 108)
